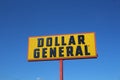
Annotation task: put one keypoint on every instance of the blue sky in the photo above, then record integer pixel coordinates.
(20, 19)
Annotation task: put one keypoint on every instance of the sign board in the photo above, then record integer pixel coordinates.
(64, 46)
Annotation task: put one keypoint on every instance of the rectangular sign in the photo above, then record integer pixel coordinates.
(64, 46)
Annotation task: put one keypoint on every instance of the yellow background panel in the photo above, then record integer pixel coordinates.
(89, 41)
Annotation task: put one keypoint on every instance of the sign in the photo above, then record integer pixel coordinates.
(64, 46)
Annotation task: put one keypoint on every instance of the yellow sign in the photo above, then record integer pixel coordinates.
(66, 46)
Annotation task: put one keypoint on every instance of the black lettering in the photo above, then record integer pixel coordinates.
(69, 51)
(71, 41)
(56, 41)
(63, 41)
(61, 52)
(44, 55)
(79, 51)
(81, 39)
(40, 42)
(53, 52)
(49, 42)
(36, 53)
(86, 50)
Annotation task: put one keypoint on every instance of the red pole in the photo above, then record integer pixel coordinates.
(61, 69)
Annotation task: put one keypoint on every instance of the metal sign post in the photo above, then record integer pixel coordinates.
(61, 69)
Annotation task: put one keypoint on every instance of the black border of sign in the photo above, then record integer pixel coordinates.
(49, 59)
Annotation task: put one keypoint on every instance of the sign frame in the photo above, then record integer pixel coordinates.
(49, 59)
